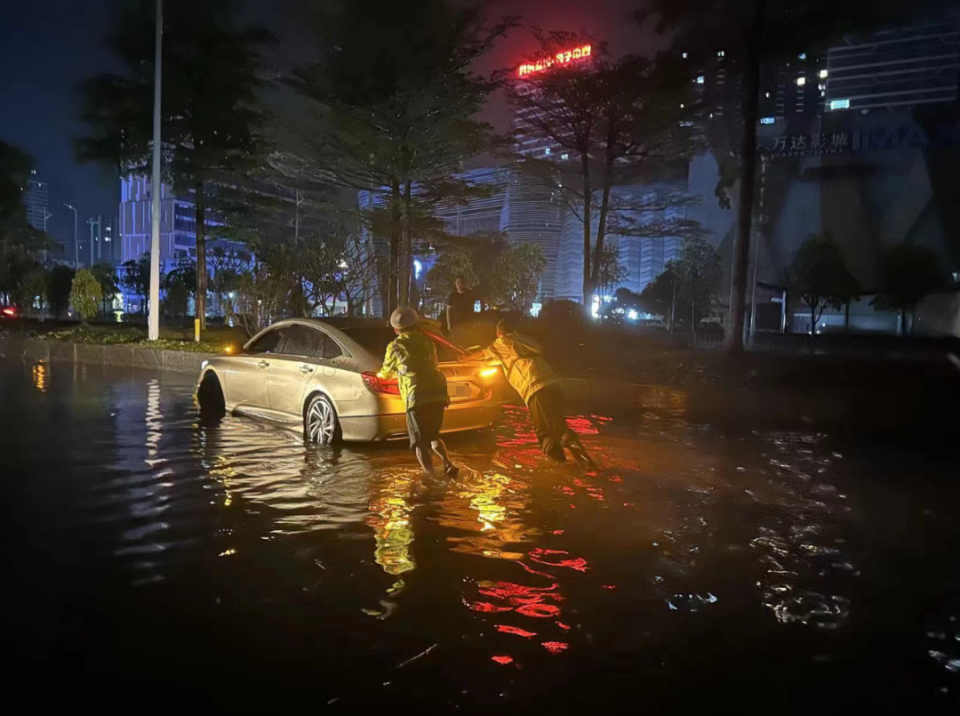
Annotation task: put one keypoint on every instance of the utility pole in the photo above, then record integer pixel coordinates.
(153, 329)
(76, 244)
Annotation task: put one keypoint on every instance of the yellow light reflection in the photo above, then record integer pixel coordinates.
(391, 522)
(41, 377)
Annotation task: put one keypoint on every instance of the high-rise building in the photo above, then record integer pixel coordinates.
(37, 201)
(98, 242)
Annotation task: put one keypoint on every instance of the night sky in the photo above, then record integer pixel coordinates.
(50, 46)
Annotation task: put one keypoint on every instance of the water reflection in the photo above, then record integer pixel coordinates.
(516, 568)
(391, 511)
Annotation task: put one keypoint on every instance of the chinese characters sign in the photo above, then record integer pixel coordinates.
(798, 145)
(561, 58)
(906, 136)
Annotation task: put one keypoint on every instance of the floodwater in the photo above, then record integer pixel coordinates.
(151, 562)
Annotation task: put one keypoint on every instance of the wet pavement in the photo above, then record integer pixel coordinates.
(152, 562)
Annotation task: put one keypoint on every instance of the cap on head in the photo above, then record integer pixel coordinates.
(505, 326)
(403, 318)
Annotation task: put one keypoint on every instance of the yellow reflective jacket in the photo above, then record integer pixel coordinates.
(412, 357)
(523, 363)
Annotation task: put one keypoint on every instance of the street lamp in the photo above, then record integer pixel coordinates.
(76, 245)
(153, 322)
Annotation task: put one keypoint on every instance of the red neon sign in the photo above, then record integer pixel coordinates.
(561, 58)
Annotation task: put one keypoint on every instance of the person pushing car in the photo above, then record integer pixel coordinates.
(412, 358)
(539, 387)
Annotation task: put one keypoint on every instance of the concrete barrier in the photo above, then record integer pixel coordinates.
(120, 356)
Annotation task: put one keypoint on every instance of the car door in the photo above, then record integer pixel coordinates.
(291, 371)
(246, 374)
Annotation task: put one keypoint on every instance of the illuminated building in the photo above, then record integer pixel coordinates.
(36, 198)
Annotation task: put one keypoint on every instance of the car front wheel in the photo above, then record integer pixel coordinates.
(320, 422)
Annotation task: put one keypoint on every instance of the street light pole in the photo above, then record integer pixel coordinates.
(153, 328)
(76, 244)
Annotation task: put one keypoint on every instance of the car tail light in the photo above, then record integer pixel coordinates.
(376, 384)
(9, 311)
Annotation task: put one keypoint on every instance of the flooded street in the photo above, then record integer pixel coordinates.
(153, 562)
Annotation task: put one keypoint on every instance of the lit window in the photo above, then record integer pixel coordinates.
(802, 56)
(824, 74)
(564, 156)
(547, 150)
(684, 55)
(839, 104)
(767, 120)
(801, 81)
(700, 80)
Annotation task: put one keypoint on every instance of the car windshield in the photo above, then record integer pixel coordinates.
(376, 339)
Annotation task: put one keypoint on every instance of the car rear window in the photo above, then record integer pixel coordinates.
(376, 339)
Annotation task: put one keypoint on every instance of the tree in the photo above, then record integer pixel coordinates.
(442, 277)
(398, 99)
(211, 115)
(749, 32)
(908, 274)
(19, 242)
(660, 297)
(59, 286)
(31, 288)
(262, 297)
(819, 275)
(520, 269)
(622, 120)
(86, 295)
(698, 275)
(106, 276)
(486, 250)
(135, 277)
(179, 285)
(226, 268)
(610, 271)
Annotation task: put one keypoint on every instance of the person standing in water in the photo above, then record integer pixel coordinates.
(412, 358)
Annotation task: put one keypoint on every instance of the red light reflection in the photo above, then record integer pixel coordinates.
(504, 660)
(515, 630)
(555, 647)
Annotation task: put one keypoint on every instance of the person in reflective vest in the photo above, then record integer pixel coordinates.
(412, 358)
(532, 377)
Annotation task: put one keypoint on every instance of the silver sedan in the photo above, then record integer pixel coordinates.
(321, 377)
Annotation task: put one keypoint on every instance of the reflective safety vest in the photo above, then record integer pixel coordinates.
(412, 357)
(523, 363)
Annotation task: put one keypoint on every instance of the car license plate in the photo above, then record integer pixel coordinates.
(459, 391)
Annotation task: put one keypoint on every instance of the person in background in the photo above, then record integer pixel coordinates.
(412, 358)
(460, 304)
(531, 376)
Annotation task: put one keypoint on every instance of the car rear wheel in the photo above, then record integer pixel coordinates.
(320, 422)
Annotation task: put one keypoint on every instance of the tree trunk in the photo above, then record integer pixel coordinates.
(201, 298)
(406, 247)
(587, 198)
(733, 341)
(604, 210)
(673, 307)
(394, 247)
(813, 319)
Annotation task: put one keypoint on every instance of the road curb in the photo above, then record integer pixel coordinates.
(106, 355)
